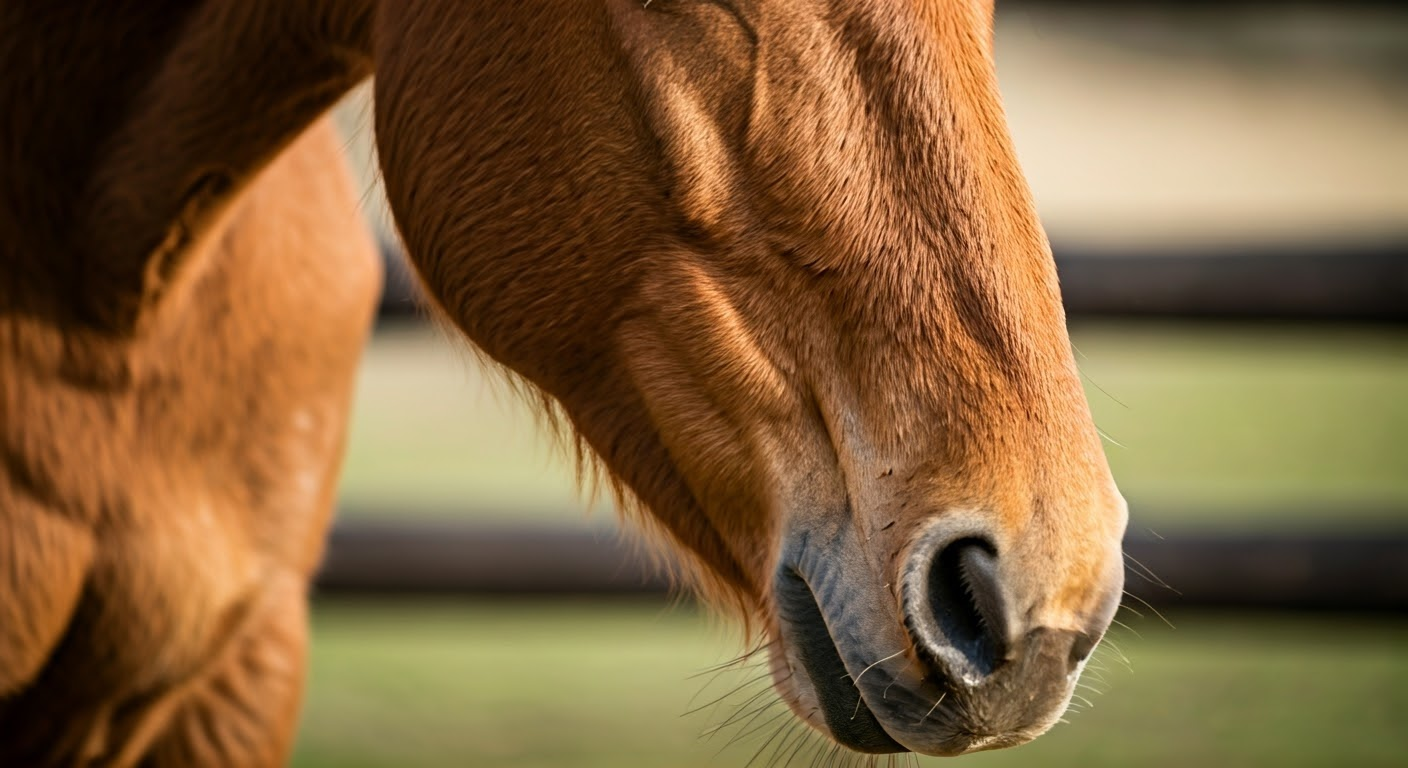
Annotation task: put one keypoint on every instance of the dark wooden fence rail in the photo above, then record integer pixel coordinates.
(1363, 283)
(1358, 573)
(1366, 284)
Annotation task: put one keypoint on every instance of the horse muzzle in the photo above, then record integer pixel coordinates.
(952, 655)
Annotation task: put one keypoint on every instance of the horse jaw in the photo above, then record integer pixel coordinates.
(780, 268)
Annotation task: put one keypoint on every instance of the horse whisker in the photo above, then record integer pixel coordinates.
(1126, 626)
(1148, 575)
(1150, 607)
(931, 709)
(856, 682)
(743, 711)
(731, 692)
(886, 693)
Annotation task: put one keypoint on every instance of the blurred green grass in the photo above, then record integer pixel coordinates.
(1211, 426)
(606, 684)
(1249, 426)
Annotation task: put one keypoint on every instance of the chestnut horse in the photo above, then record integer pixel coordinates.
(774, 260)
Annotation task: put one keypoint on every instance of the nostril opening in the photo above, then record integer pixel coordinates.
(965, 598)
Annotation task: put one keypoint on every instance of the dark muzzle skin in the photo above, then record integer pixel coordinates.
(849, 721)
(944, 662)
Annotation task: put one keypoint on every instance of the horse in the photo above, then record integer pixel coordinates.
(773, 263)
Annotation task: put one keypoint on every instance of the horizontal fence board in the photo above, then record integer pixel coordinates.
(1367, 284)
(487, 559)
(1360, 573)
(1356, 283)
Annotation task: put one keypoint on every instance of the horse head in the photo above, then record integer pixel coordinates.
(778, 265)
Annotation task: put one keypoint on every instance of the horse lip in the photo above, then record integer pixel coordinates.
(848, 717)
(907, 718)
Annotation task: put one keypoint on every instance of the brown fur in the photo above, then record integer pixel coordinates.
(774, 260)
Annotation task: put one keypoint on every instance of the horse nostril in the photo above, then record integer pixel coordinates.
(966, 602)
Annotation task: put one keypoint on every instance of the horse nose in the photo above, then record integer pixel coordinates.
(957, 609)
(963, 618)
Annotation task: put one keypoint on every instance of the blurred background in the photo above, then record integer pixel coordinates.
(1226, 188)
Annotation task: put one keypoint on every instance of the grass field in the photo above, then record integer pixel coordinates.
(1216, 427)
(583, 684)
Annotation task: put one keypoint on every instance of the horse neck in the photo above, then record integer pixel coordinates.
(133, 124)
